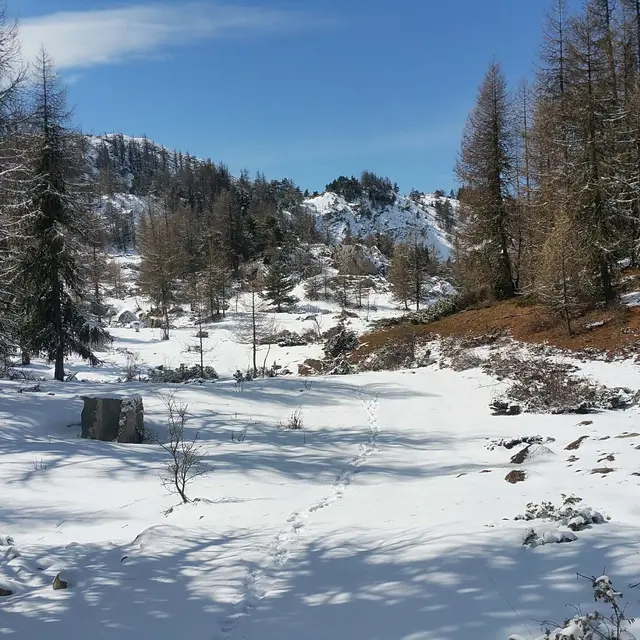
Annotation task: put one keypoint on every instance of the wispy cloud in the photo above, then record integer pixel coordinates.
(84, 39)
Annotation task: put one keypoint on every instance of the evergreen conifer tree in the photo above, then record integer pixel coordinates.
(279, 284)
(57, 320)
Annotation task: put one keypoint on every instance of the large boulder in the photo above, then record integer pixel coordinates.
(112, 419)
(127, 317)
(131, 429)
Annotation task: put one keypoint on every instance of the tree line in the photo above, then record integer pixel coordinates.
(550, 171)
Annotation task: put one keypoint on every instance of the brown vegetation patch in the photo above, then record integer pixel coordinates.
(533, 324)
(602, 471)
(628, 435)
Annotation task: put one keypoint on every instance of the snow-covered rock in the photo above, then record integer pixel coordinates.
(400, 220)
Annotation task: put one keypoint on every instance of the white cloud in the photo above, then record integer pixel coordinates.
(90, 38)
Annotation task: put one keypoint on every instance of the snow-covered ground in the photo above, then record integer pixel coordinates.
(387, 517)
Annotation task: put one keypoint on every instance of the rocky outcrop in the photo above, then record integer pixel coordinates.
(112, 419)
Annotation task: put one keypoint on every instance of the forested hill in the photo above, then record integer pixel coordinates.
(254, 213)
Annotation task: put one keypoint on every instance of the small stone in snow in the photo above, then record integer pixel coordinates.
(59, 583)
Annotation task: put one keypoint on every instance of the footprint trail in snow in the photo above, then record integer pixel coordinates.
(262, 579)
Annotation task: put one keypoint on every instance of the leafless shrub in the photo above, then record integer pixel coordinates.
(132, 366)
(465, 360)
(39, 465)
(492, 337)
(21, 375)
(398, 354)
(547, 385)
(294, 422)
(186, 461)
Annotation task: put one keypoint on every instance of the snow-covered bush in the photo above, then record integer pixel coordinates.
(183, 375)
(614, 625)
(576, 519)
(339, 341)
(286, 338)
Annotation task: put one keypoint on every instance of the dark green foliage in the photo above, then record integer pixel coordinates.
(56, 321)
(379, 191)
(369, 189)
(279, 284)
(445, 214)
(349, 188)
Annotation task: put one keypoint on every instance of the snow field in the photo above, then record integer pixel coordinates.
(388, 517)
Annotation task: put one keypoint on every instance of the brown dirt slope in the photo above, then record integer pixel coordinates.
(620, 329)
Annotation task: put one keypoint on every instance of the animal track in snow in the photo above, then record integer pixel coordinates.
(260, 580)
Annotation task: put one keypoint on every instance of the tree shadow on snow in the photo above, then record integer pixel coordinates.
(460, 586)
(163, 585)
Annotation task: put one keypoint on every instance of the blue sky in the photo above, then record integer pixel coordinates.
(309, 89)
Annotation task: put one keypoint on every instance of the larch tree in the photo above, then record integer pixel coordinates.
(564, 282)
(485, 169)
(56, 209)
(160, 259)
(400, 275)
(593, 135)
(14, 173)
(216, 276)
(254, 327)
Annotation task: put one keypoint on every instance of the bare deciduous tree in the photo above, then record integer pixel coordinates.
(255, 327)
(186, 460)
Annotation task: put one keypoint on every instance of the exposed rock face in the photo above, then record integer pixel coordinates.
(112, 419)
(131, 429)
(516, 476)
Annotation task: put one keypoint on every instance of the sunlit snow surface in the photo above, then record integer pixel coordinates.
(386, 518)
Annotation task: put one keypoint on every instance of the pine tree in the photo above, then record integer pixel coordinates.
(279, 284)
(57, 322)
(485, 169)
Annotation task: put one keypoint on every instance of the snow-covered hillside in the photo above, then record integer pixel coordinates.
(400, 220)
(132, 162)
